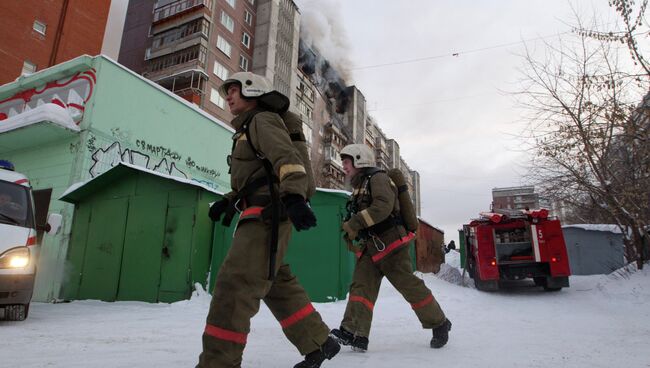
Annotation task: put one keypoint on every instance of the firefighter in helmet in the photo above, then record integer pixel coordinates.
(374, 224)
(270, 203)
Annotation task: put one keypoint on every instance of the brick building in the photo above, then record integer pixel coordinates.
(38, 34)
(517, 198)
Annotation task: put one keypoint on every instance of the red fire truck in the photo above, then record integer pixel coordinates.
(516, 245)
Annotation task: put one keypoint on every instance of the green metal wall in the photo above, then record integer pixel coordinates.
(137, 236)
(318, 257)
(126, 118)
(463, 247)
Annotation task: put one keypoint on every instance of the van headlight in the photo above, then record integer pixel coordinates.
(15, 258)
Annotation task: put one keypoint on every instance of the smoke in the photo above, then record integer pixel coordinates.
(323, 50)
(321, 27)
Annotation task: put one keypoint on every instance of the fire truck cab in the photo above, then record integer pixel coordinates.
(514, 246)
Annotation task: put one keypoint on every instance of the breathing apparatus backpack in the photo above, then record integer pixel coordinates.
(409, 217)
(293, 122)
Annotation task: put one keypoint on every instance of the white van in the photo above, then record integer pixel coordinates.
(18, 244)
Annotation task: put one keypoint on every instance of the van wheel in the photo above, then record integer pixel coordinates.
(16, 312)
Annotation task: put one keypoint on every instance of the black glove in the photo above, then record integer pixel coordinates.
(218, 208)
(299, 212)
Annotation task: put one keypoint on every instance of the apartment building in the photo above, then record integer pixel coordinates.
(276, 44)
(356, 114)
(376, 139)
(190, 46)
(38, 34)
(384, 149)
(393, 153)
(415, 194)
(517, 198)
(341, 114)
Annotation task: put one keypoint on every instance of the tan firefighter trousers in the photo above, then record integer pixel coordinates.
(241, 283)
(365, 288)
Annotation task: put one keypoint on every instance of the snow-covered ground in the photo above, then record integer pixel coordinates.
(600, 321)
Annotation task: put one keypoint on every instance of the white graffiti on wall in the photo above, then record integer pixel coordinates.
(105, 158)
(71, 93)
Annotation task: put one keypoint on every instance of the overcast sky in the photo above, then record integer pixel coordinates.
(452, 115)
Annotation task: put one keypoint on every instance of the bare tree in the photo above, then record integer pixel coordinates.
(589, 102)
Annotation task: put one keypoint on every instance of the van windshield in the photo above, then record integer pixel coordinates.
(15, 205)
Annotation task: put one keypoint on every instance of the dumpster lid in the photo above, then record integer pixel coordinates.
(77, 191)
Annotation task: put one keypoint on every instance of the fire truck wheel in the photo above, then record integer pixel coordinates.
(546, 288)
(539, 281)
(543, 282)
(485, 285)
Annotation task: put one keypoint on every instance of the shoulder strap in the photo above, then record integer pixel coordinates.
(271, 179)
(368, 175)
(245, 129)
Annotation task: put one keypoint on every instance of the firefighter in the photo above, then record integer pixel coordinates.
(244, 278)
(381, 246)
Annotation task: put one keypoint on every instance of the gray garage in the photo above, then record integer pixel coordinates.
(594, 248)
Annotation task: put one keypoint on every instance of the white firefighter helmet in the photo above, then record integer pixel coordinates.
(252, 85)
(362, 155)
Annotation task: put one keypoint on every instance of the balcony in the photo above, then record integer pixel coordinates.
(193, 58)
(190, 85)
(187, 35)
(178, 8)
(380, 143)
(333, 161)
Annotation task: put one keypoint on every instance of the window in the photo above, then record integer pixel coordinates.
(224, 46)
(216, 99)
(246, 40)
(305, 110)
(243, 63)
(227, 21)
(248, 17)
(40, 27)
(231, 3)
(220, 71)
(28, 68)
(306, 130)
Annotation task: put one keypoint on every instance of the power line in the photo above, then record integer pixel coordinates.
(456, 54)
(429, 102)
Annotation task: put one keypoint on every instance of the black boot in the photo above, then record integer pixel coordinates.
(345, 337)
(316, 357)
(441, 334)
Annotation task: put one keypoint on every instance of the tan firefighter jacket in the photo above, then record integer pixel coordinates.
(376, 211)
(270, 137)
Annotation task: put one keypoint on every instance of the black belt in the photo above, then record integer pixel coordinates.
(255, 201)
(383, 226)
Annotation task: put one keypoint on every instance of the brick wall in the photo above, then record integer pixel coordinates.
(82, 32)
